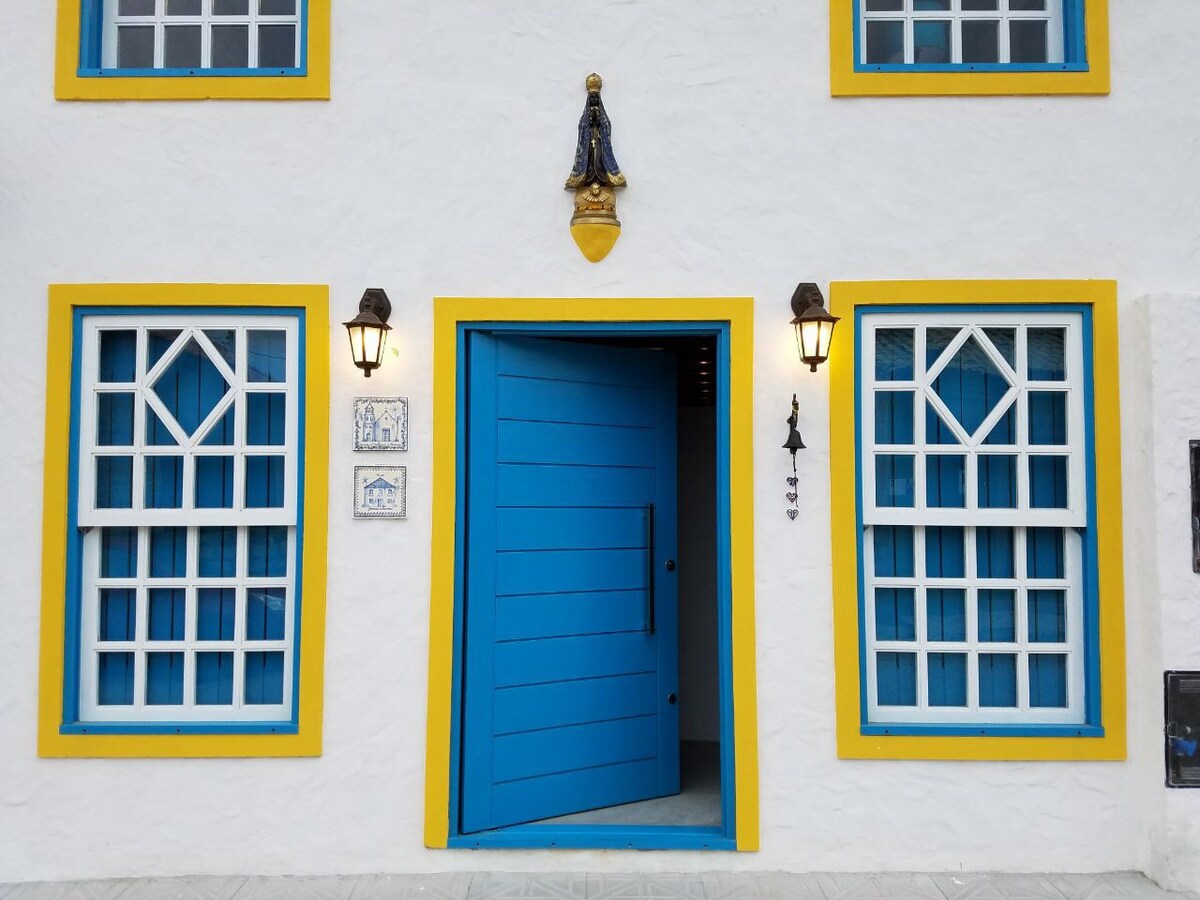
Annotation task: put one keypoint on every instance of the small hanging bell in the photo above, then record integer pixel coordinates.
(794, 441)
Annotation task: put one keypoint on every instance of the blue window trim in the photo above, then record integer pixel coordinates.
(603, 837)
(1093, 724)
(91, 39)
(71, 723)
(1074, 50)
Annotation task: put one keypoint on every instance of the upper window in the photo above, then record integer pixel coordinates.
(975, 574)
(970, 47)
(180, 49)
(185, 539)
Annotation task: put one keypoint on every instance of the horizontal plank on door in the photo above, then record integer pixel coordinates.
(519, 484)
(557, 528)
(555, 571)
(567, 792)
(522, 617)
(535, 753)
(551, 400)
(534, 706)
(580, 362)
(558, 659)
(578, 445)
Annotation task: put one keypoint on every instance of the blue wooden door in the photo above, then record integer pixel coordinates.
(571, 653)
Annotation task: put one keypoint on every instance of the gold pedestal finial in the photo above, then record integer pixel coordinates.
(594, 178)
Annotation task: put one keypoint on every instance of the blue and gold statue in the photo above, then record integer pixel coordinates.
(594, 179)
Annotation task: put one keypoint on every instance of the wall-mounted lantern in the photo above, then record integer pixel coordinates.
(813, 324)
(368, 330)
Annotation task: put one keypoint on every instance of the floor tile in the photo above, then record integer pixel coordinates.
(882, 886)
(645, 887)
(442, 886)
(760, 886)
(1110, 886)
(506, 886)
(996, 887)
(67, 890)
(292, 888)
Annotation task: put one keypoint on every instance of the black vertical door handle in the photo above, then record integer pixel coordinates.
(650, 552)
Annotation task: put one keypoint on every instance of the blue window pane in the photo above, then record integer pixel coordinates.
(931, 42)
(216, 610)
(945, 481)
(268, 356)
(164, 679)
(160, 341)
(1048, 482)
(1004, 432)
(997, 482)
(264, 482)
(894, 354)
(115, 679)
(1047, 617)
(997, 679)
(118, 356)
(167, 614)
(1004, 340)
(118, 614)
(114, 420)
(936, 342)
(946, 614)
(114, 482)
(997, 616)
(1047, 417)
(936, 429)
(168, 552)
(214, 679)
(893, 551)
(268, 548)
(214, 482)
(217, 548)
(896, 678)
(265, 608)
(224, 339)
(190, 387)
(164, 482)
(1044, 553)
(947, 679)
(944, 554)
(1046, 359)
(893, 480)
(222, 432)
(264, 678)
(894, 617)
(893, 417)
(265, 419)
(118, 552)
(994, 552)
(1047, 680)
(970, 385)
(157, 433)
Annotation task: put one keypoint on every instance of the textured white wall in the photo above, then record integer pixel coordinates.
(437, 170)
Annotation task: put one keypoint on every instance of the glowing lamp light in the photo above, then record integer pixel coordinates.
(368, 330)
(813, 325)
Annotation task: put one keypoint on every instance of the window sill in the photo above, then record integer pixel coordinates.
(179, 728)
(294, 72)
(982, 730)
(959, 80)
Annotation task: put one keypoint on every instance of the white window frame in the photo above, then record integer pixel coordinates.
(93, 521)
(161, 21)
(956, 15)
(919, 517)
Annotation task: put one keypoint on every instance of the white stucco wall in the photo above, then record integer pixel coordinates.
(437, 170)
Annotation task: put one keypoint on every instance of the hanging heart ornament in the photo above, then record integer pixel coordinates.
(791, 495)
(792, 513)
(793, 481)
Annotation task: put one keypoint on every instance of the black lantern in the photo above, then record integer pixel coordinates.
(368, 330)
(813, 324)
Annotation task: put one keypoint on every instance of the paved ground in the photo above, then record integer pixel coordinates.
(706, 886)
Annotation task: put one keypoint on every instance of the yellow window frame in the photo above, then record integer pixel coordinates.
(306, 741)
(70, 85)
(846, 81)
(845, 298)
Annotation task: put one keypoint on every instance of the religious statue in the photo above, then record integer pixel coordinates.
(594, 178)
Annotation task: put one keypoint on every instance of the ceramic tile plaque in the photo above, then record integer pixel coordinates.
(380, 492)
(380, 423)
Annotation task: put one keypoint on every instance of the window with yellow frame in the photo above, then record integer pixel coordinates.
(977, 532)
(185, 509)
(192, 49)
(928, 47)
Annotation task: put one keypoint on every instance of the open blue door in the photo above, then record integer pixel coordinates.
(571, 650)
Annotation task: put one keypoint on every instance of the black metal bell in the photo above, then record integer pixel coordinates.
(794, 442)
